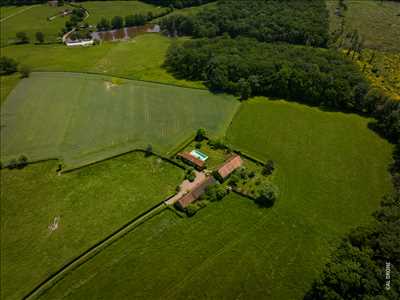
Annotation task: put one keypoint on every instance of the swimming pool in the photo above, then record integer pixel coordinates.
(198, 154)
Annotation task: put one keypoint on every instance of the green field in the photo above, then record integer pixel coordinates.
(82, 118)
(331, 172)
(376, 21)
(91, 203)
(140, 59)
(110, 9)
(30, 19)
(7, 83)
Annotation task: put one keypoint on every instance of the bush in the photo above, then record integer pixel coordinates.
(267, 195)
(103, 25)
(149, 151)
(7, 65)
(22, 38)
(200, 134)
(22, 162)
(117, 22)
(12, 164)
(217, 144)
(39, 37)
(252, 174)
(234, 180)
(268, 168)
(198, 145)
(215, 192)
(190, 175)
(191, 209)
(25, 71)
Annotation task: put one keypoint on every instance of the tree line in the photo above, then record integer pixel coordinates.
(296, 22)
(118, 22)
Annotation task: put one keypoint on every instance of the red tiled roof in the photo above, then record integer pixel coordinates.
(197, 191)
(230, 165)
(187, 156)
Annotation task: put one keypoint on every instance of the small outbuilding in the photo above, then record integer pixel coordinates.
(190, 159)
(230, 165)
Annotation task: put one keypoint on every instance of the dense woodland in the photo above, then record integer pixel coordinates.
(296, 22)
(247, 67)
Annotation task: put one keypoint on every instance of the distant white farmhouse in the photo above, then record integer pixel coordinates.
(71, 43)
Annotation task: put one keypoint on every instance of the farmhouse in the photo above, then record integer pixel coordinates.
(192, 160)
(195, 194)
(230, 165)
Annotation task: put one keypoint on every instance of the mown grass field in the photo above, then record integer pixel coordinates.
(141, 58)
(331, 172)
(91, 202)
(30, 19)
(83, 118)
(110, 9)
(376, 21)
(7, 83)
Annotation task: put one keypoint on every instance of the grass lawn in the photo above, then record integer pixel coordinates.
(140, 58)
(331, 172)
(110, 9)
(91, 203)
(83, 118)
(30, 19)
(376, 21)
(7, 83)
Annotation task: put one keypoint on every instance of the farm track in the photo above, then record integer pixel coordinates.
(95, 249)
(17, 13)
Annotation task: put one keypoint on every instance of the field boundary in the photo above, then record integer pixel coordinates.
(126, 78)
(91, 252)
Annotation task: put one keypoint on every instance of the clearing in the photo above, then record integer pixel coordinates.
(235, 250)
(87, 205)
(82, 118)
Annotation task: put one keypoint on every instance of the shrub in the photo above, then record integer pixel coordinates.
(117, 22)
(191, 209)
(25, 71)
(22, 38)
(40, 37)
(200, 134)
(252, 174)
(12, 164)
(22, 162)
(190, 175)
(215, 192)
(234, 180)
(217, 144)
(149, 151)
(198, 145)
(103, 25)
(268, 168)
(7, 65)
(267, 195)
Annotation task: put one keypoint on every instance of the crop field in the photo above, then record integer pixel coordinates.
(83, 118)
(30, 19)
(140, 59)
(90, 203)
(235, 250)
(376, 21)
(110, 9)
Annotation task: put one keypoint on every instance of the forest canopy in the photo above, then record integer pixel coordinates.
(247, 67)
(295, 22)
